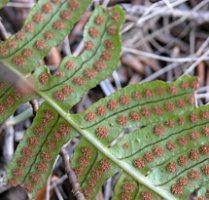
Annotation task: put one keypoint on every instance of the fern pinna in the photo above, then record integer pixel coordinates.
(165, 153)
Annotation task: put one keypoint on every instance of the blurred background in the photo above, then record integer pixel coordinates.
(162, 39)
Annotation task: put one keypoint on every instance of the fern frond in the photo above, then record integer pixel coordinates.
(77, 75)
(46, 26)
(128, 188)
(38, 150)
(28, 179)
(164, 155)
(136, 106)
(173, 162)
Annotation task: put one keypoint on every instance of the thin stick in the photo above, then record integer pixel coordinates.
(197, 17)
(79, 48)
(163, 58)
(71, 176)
(8, 148)
(142, 20)
(117, 80)
(20, 4)
(58, 182)
(201, 96)
(192, 67)
(3, 31)
(105, 3)
(160, 72)
(107, 87)
(201, 58)
(171, 25)
(59, 196)
(48, 188)
(67, 48)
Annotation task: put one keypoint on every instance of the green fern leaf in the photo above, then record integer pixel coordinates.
(38, 150)
(127, 187)
(168, 159)
(147, 110)
(77, 75)
(136, 106)
(164, 156)
(177, 160)
(29, 176)
(46, 26)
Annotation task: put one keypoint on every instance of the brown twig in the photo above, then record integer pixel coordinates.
(71, 176)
